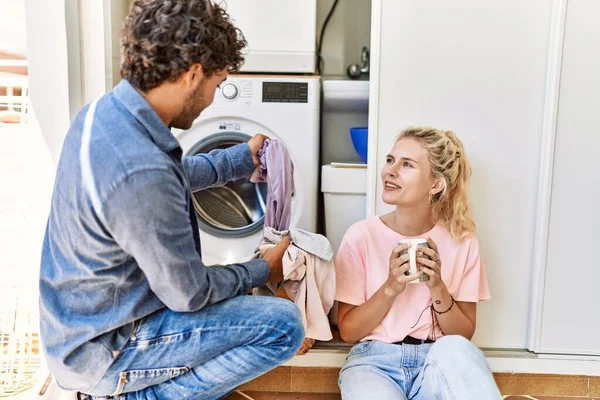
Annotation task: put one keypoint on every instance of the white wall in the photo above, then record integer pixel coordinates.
(72, 58)
(348, 30)
(96, 46)
(12, 27)
(54, 67)
(119, 11)
(477, 68)
(101, 23)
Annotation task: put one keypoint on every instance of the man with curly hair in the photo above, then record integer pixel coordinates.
(127, 307)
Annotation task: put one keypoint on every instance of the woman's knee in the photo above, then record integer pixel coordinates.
(451, 346)
(368, 382)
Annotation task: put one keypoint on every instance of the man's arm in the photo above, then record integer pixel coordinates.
(147, 217)
(221, 166)
(218, 167)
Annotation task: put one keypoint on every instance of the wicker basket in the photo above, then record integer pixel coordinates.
(19, 341)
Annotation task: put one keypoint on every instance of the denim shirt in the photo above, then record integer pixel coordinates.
(120, 242)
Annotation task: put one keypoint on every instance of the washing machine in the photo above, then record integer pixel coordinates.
(231, 218)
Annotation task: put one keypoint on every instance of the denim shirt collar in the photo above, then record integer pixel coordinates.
(137, 105)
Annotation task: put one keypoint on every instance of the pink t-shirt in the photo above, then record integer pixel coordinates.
(362, 266)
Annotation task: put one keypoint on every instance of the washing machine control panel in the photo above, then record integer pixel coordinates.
(230, 91)
(285, 92)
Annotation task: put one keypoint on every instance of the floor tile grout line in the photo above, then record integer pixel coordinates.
(244, 395)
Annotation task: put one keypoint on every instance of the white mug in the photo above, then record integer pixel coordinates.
(412, 252)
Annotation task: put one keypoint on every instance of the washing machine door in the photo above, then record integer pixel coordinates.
(235, 210)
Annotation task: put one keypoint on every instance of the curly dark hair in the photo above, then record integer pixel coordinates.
(162, 39)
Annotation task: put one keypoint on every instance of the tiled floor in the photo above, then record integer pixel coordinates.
(544, 398)
(333, 396)
(283, 396)
(299, 383)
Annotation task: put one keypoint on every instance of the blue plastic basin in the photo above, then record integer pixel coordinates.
(360, 140)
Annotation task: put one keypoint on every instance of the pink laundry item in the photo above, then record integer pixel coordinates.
(276, 168)
(310, 282)
(362, 266)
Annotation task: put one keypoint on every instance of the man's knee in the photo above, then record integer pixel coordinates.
(287, 322)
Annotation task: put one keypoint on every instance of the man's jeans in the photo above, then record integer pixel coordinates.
(204, 354)
(451, 368)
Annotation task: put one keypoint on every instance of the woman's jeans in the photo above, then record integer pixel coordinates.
(451, 368)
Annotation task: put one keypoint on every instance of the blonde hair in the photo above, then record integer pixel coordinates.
(449, 163)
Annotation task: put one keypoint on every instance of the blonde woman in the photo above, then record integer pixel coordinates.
(414, 337)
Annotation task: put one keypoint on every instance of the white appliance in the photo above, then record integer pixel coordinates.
(344, 176)
(283, 108)
(343, 183)
(281, 34)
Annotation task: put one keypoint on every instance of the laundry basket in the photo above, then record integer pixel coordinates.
(19, 340)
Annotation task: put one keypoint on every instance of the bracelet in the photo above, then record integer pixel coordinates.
(449, 308)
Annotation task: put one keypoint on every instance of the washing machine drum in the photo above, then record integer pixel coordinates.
(236, 209)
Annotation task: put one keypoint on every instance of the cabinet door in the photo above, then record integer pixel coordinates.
(570, 322)
(478, 69)
(281, 35)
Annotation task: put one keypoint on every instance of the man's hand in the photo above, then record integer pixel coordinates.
(273, 257)
(255, 144)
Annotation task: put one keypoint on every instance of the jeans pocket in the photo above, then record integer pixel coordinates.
(361, 348)
(138, 379)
